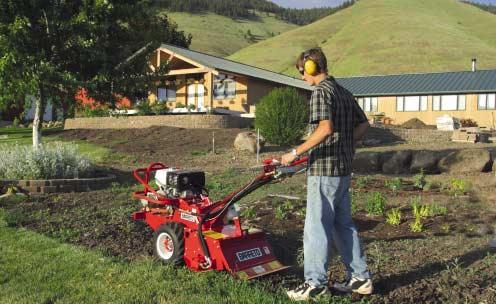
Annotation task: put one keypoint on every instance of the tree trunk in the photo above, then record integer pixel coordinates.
(38, 118)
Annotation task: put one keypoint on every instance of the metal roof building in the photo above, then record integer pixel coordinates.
(422, 84)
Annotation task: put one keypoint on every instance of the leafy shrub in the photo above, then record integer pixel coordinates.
(393, 217)
(88, 111)
(191, 107)
(375, 204)
(282, 116)
(144, 108)
(159, 109)
(56, 160)
(180, 105)
(393, 184)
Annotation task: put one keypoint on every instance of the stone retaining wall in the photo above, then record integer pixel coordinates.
(388, 134)
(60, 185)
(193, 121)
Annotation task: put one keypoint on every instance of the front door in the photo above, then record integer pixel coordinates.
(200, 94)
(191, 94)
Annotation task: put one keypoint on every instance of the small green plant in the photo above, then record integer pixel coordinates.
(393, 217)
(191, 107)
(393, 184)
(436, 209)
(446, 228)
(16, 122)
(248, 212)
(417, 225)
(457, 187)
(419, 211)
(362, 181)
(280, 213)
(180, 105)
(419, 179)
(354, 199)
(375, 204)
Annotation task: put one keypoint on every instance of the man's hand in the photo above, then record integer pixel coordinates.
(287, 159)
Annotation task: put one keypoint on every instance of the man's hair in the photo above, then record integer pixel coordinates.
(316, 55)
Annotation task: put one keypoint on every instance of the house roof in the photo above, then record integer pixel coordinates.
(382, 85)
(236, 67)
(422, 84)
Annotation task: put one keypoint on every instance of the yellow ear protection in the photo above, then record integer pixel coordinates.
(310, 66)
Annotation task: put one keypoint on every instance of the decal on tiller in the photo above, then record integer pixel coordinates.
(249, 254)
(189, 217)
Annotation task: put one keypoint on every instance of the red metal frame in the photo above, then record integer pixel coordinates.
(245, 253)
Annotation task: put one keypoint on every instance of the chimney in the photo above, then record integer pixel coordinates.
(474, 62)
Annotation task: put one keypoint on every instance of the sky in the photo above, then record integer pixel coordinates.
(322, 3)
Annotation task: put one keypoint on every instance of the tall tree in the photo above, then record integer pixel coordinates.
(53, 48)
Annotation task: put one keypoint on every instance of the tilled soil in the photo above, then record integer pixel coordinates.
(450, 262)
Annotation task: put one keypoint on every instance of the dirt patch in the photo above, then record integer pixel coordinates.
(416, 123)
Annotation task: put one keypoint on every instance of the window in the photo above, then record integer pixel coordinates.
(449, 103)
(368, 104)
(411, 103)
(224, 87)
(166, 94)
(487, 102)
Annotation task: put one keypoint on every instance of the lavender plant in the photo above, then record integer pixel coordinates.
(54, 160)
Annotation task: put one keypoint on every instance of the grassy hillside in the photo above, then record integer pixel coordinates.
(387, 37)
(221, 36)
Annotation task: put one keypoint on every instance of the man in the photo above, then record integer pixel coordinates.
(337, 122)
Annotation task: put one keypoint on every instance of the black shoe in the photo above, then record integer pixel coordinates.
(364, 287)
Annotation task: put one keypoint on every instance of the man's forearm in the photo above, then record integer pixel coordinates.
(323, 130)
(360, 131)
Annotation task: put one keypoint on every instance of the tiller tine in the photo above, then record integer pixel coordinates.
(246, 257)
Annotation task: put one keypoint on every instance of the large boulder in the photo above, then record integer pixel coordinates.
(399, 162)
(468, 160)
(366, 162)
(248, 141)
(426, 160)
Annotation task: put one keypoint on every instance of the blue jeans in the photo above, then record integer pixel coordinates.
(328, 219)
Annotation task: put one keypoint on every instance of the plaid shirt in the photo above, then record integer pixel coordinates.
(334, 156)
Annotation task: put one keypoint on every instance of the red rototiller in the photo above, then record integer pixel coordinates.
(190, 229)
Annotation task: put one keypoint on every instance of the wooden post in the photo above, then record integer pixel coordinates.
(213, 142)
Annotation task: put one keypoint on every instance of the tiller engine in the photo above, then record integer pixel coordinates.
(190, 229)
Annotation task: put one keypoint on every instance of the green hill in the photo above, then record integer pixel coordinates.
(387, 37)
(221, 36)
